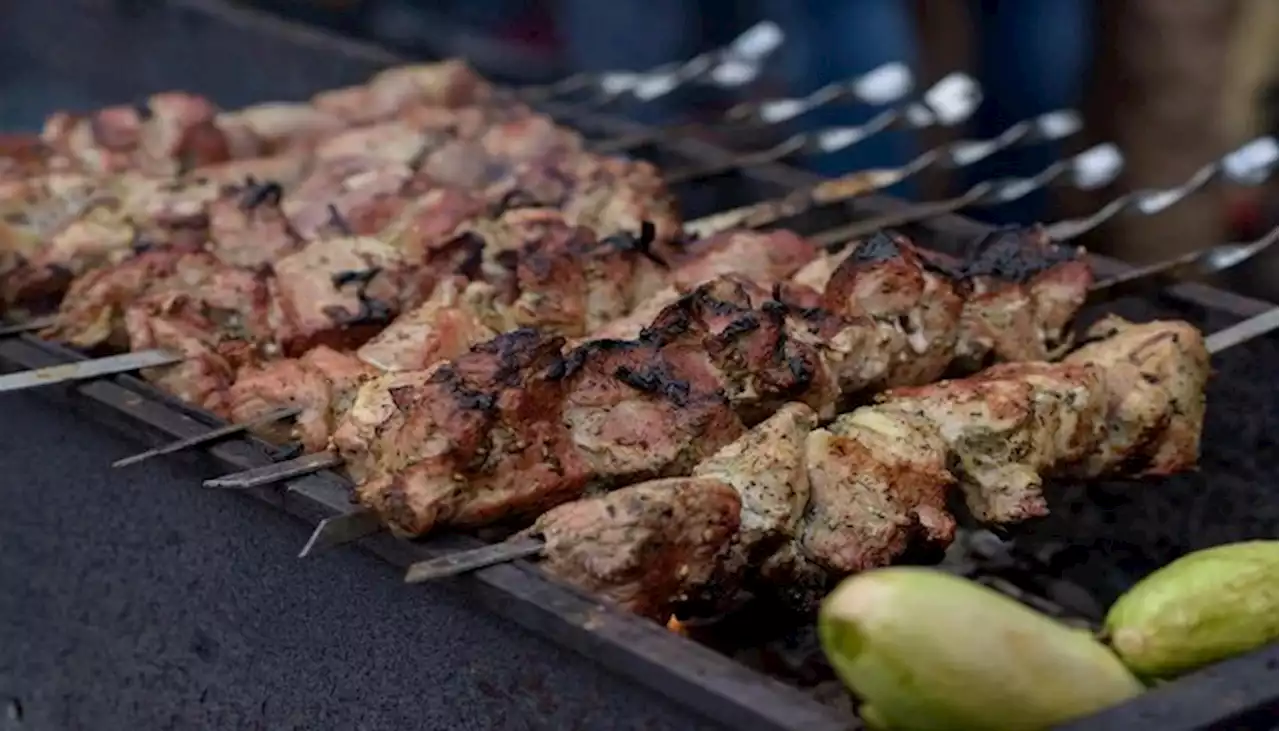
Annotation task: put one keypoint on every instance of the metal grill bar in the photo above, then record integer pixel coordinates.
(947, 103)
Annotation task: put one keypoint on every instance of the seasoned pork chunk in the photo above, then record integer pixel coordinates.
(644, 547)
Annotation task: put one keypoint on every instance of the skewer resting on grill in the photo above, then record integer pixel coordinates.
(1202, 263)
(351, 526)
(788, 508)
(728, 353)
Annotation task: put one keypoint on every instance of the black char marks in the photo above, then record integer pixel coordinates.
(1015, 254)
(371, 311)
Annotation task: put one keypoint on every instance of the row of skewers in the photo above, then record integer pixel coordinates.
(486, 324)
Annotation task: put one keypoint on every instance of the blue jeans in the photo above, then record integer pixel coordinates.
(1033, 58)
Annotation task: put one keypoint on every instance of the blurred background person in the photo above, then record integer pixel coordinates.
(1158, 94)
(1032, 57)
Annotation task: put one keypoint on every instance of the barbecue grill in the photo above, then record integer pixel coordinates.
(1100, 537)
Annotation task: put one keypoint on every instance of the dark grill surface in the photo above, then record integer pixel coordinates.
(132, 600)
(202, 627)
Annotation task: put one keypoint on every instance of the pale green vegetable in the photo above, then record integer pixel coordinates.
(1204, 607)
(927, 651)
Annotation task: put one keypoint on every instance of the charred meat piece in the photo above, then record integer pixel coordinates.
(23, 157)
(644, 547)
(273, 128)
(339, 292)
(1005, 428)
(728, 354)
(248, 227)
(1130, 404)
(93, 310)
(463, 312)
(767, 468)
(755, 256)
(76, 225)
(480, 440)
(574, 282)
(639, 410)
(1021, 295)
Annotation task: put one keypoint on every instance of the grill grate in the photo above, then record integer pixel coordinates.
(1099, 537)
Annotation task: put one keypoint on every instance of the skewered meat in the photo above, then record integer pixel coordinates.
(351, 196)
(659, 540)
(174, 131)
(817, 504)
(462, 314)
(444, 84)
(76, 225)
(725, 356)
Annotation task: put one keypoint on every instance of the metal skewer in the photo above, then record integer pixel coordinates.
(1243, 331)
(209, 437)
(87, 369)
(949, 102)
(730, 66)
(463, 562)
(1251, 164)
(1048, 127)
(38, 323)
(887, 84)
(1190, 266)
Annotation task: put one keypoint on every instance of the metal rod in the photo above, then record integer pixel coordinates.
(464, 562)
(87, 369)
(340, 530)
(38, 323)
(278, 472)
(209, 437)
(1251, 165)
(1193, 265)
(886, 84)
(1093, 168)
(730, 66)
(1243, 331)
(947, 103)
(963, 153)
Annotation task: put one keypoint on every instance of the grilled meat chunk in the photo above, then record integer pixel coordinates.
(480, 440)
(1155, 375)
(461, 314)
(1022, 295)
(767, 468)
(321, 384)
(642, 547)
(755, 256)
(444, 84)
(1007, 428)
(339, 292)
(458, 316)
(174, 131)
